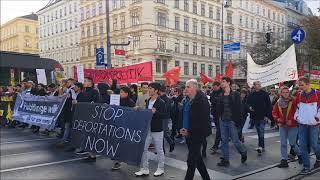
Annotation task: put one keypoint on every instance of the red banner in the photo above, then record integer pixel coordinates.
(124, 75)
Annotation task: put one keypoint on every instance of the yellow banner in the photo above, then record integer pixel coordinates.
(315, 84)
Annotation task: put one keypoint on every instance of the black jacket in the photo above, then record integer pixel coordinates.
(260, 102)
(156, 122)
(199, 114)
(168, 106)
(235, 103)
(213, 100)
(88, 95)
(127, 102)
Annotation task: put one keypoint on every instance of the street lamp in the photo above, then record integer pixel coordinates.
(224, 4)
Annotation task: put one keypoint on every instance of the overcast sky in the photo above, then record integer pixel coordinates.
(14, 8)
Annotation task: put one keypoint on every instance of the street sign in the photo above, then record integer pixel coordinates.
(298, 35)
(100, 57)
(119, 52)
(231, 48)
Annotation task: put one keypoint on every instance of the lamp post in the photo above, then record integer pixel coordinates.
(109, 44)
(224, 4)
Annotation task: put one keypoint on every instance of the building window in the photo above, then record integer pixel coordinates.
(229, 17)
(76, 22)
(269, 13)
(177, 63)
(186, 25)
(210, 72)
(164, 66)
(26, 43)
(258, 9)
(115, 23)
(81, 14)
(122, 3)
(75, 7)
(240, 20)
(194, 69)
(211, 12)
(65, 25)
(158, 66)
(60, 13)
(135, 18)
(203, 10)
(162, 19)
(27, 29)
(218, 70)
(136, 42)
(195, 48)
(89, 50)
(218, 53)
(100, 26)
(100, 7)
(177, 23)
(161, 1)
(161, 42)
(94, 10)
(211, 31)
(176, 4)
(218, 14)
(203, 68)
(195, 7)
(115, 4)
(122, 22)
(88, 31)
(203, 29)
(252, 23)
(186, 68)
(195, 27)
(65, 11)
(186, 5)
(247, 22)
(210, 52)
(70, 8)
(186, 47)
(94, 29)
(258, 25)
(177, 46)
(203, 50)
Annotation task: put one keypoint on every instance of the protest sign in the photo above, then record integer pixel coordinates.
(113, 131)
(41, 111)
(80, 73)
(124, 75)
(115, 99)
(282, 69)
(41, 76)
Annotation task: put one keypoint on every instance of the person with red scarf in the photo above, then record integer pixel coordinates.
(283, 114)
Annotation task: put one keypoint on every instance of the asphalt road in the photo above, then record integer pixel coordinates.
(26, 156)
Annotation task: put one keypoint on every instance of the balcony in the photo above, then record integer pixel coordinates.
(163, 52)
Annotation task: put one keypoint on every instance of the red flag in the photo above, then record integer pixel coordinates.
(218, 77)
(301, 72)
(172, 76)
(205, 79)
(229, 71)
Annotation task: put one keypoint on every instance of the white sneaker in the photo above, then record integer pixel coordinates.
(159, 172)
(142, 172)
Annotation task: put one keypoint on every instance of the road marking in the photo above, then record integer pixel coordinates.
(41, 165)
(8, 155)
(183, 166)
(31, 140)
(266, 135)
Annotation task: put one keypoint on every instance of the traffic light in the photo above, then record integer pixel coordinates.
(268, 37)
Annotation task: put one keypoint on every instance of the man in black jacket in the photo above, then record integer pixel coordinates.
(155, 134)
(260, 107)
(166, 118)
(196, 127)
(216, 92)
(229, 109)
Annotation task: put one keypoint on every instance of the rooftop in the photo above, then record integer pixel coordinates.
(31, 16)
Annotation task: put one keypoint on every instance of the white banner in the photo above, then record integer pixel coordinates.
(282, 69)
(41, 76)
(80, 73)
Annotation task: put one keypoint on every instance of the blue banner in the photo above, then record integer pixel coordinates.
(112, 131)
(41, 111)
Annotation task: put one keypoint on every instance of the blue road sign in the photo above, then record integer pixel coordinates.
(99, 57)
(298, 35)
(231, 48)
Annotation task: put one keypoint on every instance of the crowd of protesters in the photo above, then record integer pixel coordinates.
(191, 110)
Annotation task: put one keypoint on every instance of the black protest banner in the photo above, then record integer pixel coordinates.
(41, 111)
(112, 131)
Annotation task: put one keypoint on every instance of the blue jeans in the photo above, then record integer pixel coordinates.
(308, 134)
(291, 135)
(260, 131)
(229, 130)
